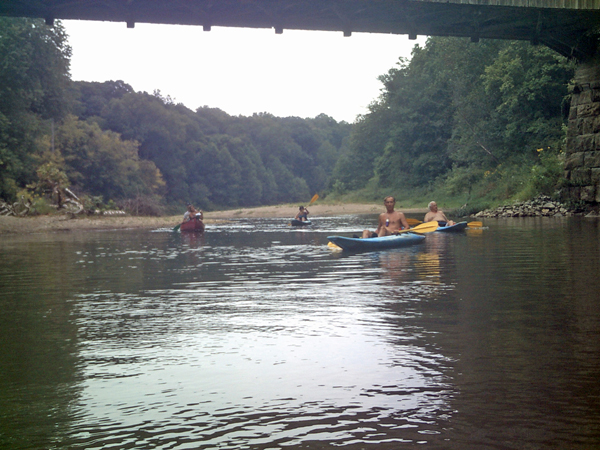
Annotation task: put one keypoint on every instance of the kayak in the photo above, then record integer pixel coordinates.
(395, 241)
(300, 223)
(456, 227)
(192, 225)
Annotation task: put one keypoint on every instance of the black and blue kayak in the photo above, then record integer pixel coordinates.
(456, 227)
(378, 243)
(301, 223)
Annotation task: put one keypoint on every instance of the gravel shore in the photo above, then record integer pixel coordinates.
(42, 224)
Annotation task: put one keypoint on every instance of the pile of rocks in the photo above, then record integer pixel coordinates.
(540, 206)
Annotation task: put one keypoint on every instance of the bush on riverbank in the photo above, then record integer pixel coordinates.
(467, 191)
(471, 126)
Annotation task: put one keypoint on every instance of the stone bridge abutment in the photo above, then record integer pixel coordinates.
(582, 162)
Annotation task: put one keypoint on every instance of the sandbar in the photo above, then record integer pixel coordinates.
(59, 222)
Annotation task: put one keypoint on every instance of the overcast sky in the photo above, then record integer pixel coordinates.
(240, 70)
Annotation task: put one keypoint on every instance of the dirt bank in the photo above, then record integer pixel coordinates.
(64, 223)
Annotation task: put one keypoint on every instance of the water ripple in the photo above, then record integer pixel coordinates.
(255, 335)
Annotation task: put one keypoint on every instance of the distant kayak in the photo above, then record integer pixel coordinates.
(192, 225)
(395, 241)
(456, 227)
(301, 223)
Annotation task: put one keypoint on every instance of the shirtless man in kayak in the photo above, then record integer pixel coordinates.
(389, 221)
(437, 214)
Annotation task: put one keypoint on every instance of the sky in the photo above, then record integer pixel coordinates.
(241, 71)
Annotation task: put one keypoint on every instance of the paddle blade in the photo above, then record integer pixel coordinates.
(475, 224)
(176, 227)
(333, 246)
(427, 227)
(413, 222)
(314, 199)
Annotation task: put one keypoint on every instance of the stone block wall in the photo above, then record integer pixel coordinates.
(582, 163)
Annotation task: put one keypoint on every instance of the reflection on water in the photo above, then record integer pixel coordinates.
(256, 335)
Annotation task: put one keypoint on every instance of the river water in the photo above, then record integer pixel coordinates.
(256, 335)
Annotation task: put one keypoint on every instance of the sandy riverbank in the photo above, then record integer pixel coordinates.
(42, 224)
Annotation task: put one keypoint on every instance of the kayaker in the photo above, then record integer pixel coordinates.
(389, 221)
(302, 214)
(191, 213)
(437, 214)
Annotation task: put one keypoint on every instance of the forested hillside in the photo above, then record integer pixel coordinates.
(472, 123)
(481, 122)
(210, 158)
(104, 142)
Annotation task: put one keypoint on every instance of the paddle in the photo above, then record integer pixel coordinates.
(474, 224)
(176, 227)
(427, 227)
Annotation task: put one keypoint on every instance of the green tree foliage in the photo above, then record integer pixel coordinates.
(34, 80)
(212, 159)
(101, 163)
(527, 85)
(458, 111)
(111, 141)
(93, 97)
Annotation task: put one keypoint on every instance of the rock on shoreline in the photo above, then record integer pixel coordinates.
(541, 206)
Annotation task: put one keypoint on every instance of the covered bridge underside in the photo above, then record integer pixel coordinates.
(562, 25)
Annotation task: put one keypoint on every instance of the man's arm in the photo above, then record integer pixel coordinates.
(381, 223)
(403, 221)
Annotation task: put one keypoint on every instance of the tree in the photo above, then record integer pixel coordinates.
(525, 87)
(34, 76)
(101, 163)
(93, 97)
(458, 110)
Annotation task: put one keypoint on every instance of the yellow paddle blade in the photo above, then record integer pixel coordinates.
(427, 227)
(413, 222)
(332, 245)
(314, 199)
(475, 224)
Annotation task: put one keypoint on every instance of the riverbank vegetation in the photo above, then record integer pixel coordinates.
(467, 124)
(470, 125)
